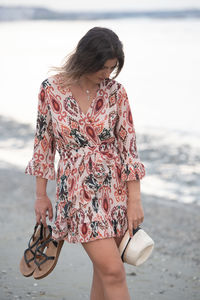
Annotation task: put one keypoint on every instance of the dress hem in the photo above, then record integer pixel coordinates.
(72, 241)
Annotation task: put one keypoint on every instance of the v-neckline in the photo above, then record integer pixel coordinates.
(91, 104)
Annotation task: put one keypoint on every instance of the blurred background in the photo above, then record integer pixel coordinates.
(161, 75)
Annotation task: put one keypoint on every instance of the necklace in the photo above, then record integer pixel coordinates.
(88, 94)
(86, 91)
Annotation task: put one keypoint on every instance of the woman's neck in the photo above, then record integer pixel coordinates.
(88, 84)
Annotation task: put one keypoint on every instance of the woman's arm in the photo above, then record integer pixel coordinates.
(42, 202)
(133, 169)
(41, 185)
(135, 211)
(42, 163)
(133, 190)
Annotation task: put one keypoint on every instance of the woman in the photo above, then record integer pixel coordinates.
(85, 115)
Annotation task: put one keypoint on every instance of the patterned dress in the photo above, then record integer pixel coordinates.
(98, 155)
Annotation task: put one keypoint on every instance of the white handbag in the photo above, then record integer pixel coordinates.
(136, 250)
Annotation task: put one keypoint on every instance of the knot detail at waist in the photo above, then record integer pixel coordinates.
(97, 158)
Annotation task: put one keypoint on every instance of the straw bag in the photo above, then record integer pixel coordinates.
(136, 250)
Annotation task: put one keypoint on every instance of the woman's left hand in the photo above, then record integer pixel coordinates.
(135, 214)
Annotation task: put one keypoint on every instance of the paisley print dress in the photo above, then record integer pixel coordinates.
(98, 155)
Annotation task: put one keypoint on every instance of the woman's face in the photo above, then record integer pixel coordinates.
(103, 73)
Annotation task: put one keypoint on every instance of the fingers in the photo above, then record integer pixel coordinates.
(140, 220)
(133, 224)
(50, 212)
(43, 208)
(37, 217)
(44, 219)
(130, 229)
(135, 215)
(41, 217)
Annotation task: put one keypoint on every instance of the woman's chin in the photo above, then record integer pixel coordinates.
(100, 80)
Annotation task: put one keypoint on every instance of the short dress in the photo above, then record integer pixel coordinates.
(97, 156)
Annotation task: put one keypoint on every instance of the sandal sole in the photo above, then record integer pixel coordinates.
(37, 274)
(25, 270)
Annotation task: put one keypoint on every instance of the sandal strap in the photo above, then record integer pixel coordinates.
(33, 236)
(30, 247)
(42, 245)
(41, 254)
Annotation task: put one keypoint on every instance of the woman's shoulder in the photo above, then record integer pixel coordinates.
(51, 80)
(112, 85)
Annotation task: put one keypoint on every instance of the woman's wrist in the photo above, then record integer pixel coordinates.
(134, 200)
(41, 185)
(40, 196)
(134, 194)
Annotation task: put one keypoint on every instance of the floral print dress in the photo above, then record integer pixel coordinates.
(98, 155)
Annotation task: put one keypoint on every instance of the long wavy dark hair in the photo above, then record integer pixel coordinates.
(97, 46)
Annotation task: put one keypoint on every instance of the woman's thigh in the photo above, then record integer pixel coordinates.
(105, 256)
(118, 240)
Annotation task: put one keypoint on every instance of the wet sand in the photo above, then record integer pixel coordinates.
(171, 273)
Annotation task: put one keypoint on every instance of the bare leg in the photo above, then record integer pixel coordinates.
(118, 240)
(108, 265)
(97, 292)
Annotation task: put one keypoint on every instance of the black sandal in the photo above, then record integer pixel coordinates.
(27, 264)
(47, 259)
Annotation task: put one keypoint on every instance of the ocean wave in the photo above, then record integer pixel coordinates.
(18, 13)
(172, 160)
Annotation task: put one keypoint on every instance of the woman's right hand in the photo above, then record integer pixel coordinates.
(42, 207)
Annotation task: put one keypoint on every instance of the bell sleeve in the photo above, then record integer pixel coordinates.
(132, 167)
(42, 162)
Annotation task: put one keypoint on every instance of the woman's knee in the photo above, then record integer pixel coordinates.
(112, 273)
(106, 260)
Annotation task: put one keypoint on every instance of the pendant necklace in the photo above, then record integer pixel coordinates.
(88, 94)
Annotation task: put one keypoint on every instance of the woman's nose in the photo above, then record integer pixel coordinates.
(106, 73)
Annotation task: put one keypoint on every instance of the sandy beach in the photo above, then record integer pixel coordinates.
(171, 273)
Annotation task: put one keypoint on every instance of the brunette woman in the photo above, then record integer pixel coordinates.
(84, 114)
